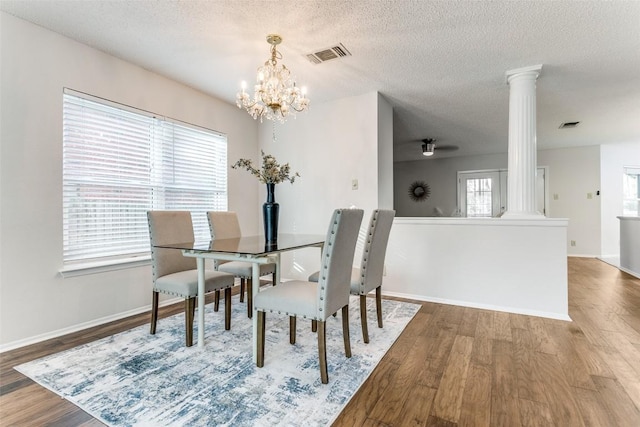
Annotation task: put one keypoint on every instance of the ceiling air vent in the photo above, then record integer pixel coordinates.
(569, 125)
(323, 55)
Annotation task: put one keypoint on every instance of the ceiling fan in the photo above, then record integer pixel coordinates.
(429, 147)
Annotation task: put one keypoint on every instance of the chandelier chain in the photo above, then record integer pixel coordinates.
(273, 130)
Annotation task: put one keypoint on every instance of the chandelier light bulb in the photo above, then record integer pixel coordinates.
(276, 95)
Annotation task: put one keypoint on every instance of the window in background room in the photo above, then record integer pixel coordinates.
(631, 191)
(120, 162)
(479, 197)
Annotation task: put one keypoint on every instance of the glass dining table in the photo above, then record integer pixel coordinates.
(253, 249)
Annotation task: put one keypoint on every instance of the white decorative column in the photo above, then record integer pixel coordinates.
(521, 175)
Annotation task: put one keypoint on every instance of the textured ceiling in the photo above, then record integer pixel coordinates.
(440, 64)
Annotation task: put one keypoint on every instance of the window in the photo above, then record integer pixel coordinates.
(118, 163)
(479, 197)
(631, 191)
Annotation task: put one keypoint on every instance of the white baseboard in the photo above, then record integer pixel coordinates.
(535, 313)
(614, 260)
(632, 273)
(81, 326)
(611, 260)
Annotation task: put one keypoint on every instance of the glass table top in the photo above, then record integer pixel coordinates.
(249, 245)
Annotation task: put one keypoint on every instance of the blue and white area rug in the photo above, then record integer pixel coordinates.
(137, 379)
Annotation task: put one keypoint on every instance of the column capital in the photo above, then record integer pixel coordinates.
(524, 70)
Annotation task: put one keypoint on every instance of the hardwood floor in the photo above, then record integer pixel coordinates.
(452, 366)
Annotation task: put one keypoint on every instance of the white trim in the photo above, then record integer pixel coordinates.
(506, 222)
(630, 218)
(81, 269)
(632, 273)
(86, 325)
(614, 261)
(479, 306)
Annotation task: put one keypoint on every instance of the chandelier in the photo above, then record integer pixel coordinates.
(275, 93)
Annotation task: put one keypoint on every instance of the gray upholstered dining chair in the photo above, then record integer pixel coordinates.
(317, 301)
(177, 275)
(369, 276)
(225, 225)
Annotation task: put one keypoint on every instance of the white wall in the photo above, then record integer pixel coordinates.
(613, 158)
(441, 175)
(36, 64)
(385, 154)
(330, 146)
(517, 266)
(630, 244)
(573, 174)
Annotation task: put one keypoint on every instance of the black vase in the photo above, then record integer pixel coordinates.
(270, 212)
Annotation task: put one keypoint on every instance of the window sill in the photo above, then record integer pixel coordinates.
(81, 269)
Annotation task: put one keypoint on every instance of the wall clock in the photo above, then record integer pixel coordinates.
(419, 191)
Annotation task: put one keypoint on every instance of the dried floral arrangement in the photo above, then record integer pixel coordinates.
(271, 172)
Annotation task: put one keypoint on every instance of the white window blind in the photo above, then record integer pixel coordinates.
(119, 163)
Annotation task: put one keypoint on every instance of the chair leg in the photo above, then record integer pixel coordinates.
(322, 352)
(241, 290)
(189, 310)
(154, 311)
(345, 330)
(379, 305)
(363, 318)
(260, 339)
(227, 309)
(292, 329)
(273, 279)
(216, 301)
(250, 297)
(314, 326)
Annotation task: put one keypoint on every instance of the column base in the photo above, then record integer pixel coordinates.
(523, 215)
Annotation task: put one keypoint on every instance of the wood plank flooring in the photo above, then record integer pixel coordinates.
(452, 366)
